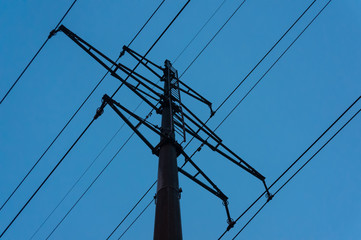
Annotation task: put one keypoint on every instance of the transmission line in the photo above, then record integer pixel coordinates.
(290, 178)
(85, 171)
(150, 49)
(52, 171)
(96, 178)
(107, 144)
(254, 68)
(132, 211)
(214, 36)
(274, 63)
(269, 51)
(36, 54)
(140, 214)
(199, 31)
(77, 181)
(75, 113)
(297, 159)
(79, 138)
(112, 96)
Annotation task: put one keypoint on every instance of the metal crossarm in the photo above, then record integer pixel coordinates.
(202, 127)
(140, 58)
(236, 159)
(176, 118)
(130, 72)
(114, 105)
(195, 95)
(215, 190)
(89, 49)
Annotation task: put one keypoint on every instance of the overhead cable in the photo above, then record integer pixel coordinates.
(126, 216)
(199, 31)
(74, 114)
(36, 54)
(44, 181)
(140, 214)
(214, 36)
(298, 170)
(184, 6)
(255, 67)
(76, 182)
(273, 64)
(92, 183)
(150, 49)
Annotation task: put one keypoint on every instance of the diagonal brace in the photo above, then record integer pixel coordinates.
(216, 191)
(112, 104)
(89, 48)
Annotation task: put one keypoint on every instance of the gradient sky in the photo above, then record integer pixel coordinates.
(315, 81)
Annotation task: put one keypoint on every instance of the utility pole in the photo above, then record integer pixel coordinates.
(174, 121)
(167, 213)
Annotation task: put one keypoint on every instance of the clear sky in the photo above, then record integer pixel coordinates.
(314, 82)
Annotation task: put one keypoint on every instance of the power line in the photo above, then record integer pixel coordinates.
(141, 29)
(274, 63)
(126, 216)
(214, 36)
(297, 160)
(96, 178)
(92, 163)
(85, 171)
(184, 6)
(77, 181)
(52, 171)
(83, 194)
(75, 113)
(269, 51)
(199, 31)
(254, 68)
(150, 49)
(36, 54)
(289, 179)
(140, 214)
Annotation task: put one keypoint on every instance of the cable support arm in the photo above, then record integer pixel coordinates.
(216, 191)
(238, 161)
(201, 125)
(195, 95)
(151, 126)
(199, 182)
(113, 104)
(129, 72)
(88, 49)
(198, 98)
(140, 58)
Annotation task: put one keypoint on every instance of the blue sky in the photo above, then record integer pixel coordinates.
(316, 80)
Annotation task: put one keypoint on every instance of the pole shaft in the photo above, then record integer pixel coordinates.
(167, 214)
